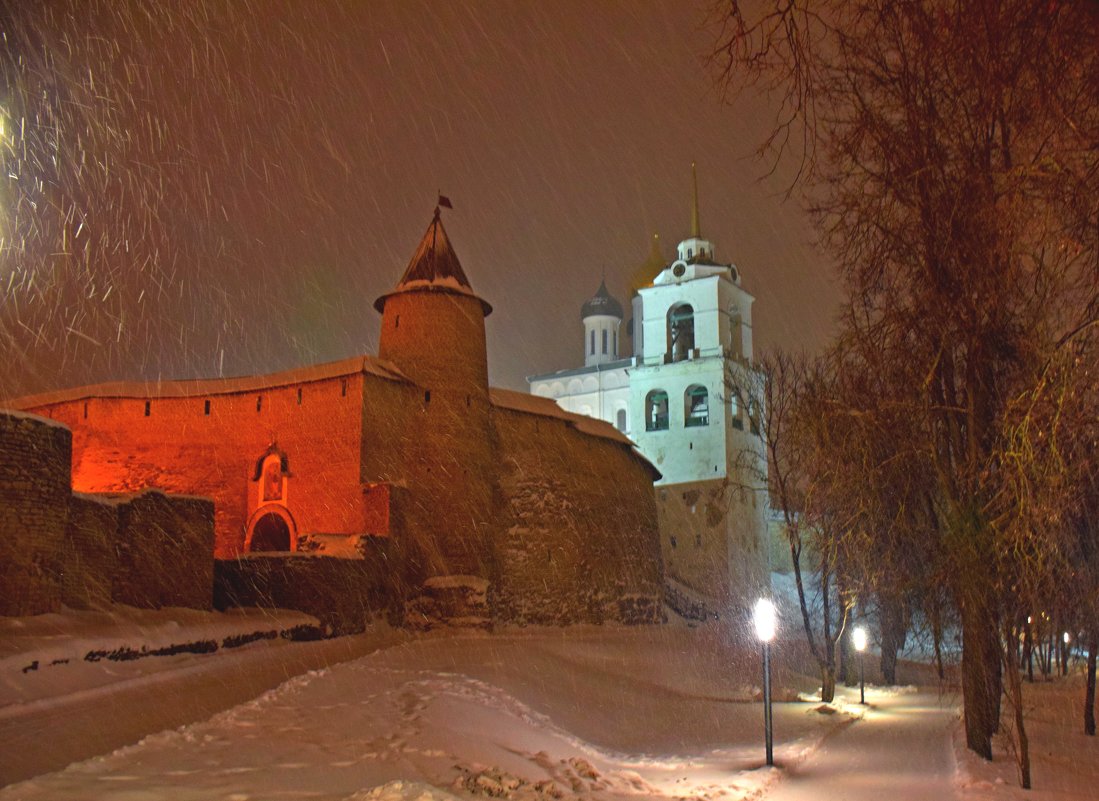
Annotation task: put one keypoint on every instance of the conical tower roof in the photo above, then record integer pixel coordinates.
(601, 303)
(434, 267)
(647, 272)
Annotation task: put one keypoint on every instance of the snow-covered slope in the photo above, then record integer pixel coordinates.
(550, 713)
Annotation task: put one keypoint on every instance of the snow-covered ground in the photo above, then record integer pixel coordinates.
(48, 656)
(79, 684)
(607, 713)
(1064, 761)
(591, 711)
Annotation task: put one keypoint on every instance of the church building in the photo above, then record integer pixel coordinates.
(681, 395)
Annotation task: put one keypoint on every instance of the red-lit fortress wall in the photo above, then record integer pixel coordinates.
(213, 443)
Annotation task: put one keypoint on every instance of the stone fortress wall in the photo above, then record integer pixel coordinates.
(129, 437)
(85, 551)
(579, 540)
(567, 544)
(444, 499)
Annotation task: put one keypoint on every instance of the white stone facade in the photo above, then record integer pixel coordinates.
(674, 397)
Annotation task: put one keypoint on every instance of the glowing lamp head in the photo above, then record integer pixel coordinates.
(765, 617)
(858, 638)
(1067, 638)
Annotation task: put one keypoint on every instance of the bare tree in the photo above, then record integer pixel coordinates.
(950, 156)
(776, 389)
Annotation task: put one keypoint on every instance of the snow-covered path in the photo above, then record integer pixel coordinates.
(900, 750)
(48, 734)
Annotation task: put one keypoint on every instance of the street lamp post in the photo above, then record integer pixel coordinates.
(765, 617)
(858, 637)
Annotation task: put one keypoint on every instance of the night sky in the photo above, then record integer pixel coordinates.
(221, 188)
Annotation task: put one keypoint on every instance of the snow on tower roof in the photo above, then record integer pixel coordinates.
(434, 267)
(601, 303)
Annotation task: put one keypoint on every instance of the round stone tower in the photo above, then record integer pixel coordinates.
(433, 330)
(433, 325)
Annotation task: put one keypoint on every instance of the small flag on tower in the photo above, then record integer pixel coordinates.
(444, 202)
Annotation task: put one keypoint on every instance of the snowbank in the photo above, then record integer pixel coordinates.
(1064, 762)
(588, 712)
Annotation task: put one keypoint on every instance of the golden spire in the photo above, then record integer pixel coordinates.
(696, 232)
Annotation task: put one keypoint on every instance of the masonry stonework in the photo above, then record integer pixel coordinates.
(90, 557)
(492, 506)
(165, 551)
(88, 551)
(34, 509)
(579, 545)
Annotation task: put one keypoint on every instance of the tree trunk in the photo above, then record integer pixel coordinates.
(1015, 684)
(850, 660)
(827, 684)
(1028, 651)
(892, 637)
(981, 674)
(937, 636)
(1089, 691)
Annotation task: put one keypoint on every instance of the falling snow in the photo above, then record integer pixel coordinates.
(223, 188)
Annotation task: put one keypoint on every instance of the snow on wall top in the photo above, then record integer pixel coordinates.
(15, 414)
(532, 404)
(187, 388)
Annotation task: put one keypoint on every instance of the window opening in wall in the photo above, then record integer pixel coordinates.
(592, 343)
(85, 411)
(681, 332)
(148, 408)
(690, 253)
(656, 411)
(698, 540)
(299, 396)
(734, 404)
(206, 408)
(397, 321)
(672, 538)
(604, 343)
(696, 407)
(615, 350)
(259, 403)
(753, 418)
(621, 420)
(427, 396)
(343, 388)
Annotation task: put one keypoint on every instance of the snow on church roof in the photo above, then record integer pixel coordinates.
(532, 404)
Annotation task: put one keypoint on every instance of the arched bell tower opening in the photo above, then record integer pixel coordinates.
(681, 332)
